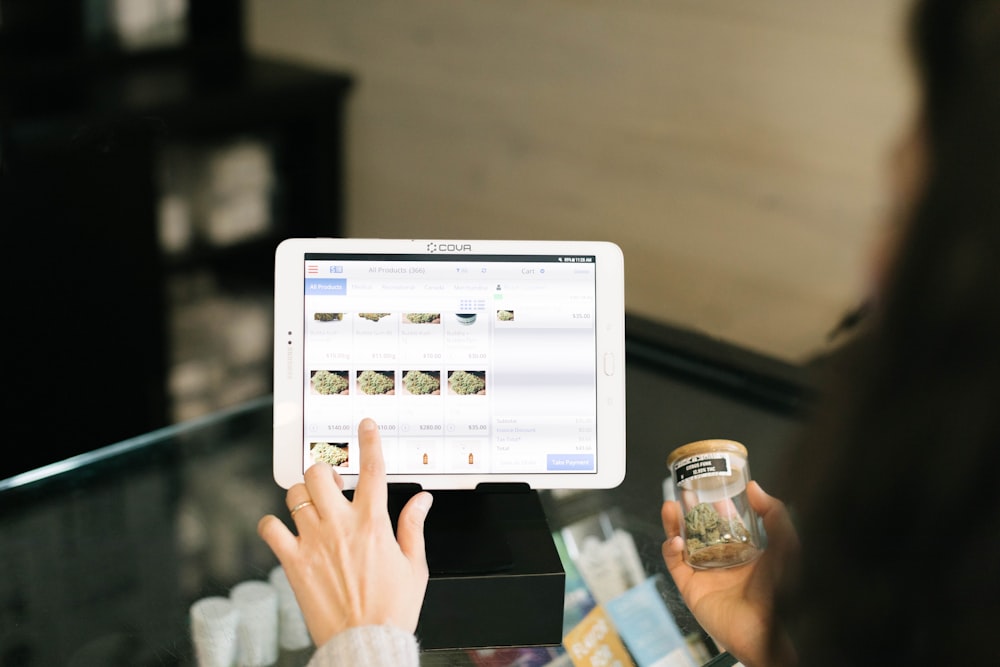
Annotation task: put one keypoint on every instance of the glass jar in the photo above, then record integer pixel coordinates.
(719, 527)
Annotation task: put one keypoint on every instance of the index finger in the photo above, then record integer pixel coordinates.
(371, 489)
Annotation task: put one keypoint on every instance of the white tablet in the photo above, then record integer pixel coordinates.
(480, 361)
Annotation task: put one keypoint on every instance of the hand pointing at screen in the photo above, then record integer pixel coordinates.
(347, 568)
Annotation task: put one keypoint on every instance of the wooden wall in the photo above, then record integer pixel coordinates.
(735, 150)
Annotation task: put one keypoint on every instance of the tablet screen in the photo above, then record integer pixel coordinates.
(477, 364)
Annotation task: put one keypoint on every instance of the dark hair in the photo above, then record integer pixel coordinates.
(894, 483)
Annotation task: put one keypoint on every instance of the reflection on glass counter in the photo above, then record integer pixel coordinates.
(110, 548)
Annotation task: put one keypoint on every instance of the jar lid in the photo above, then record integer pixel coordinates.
(705, 447)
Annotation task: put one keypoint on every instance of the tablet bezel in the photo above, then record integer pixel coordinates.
(289, 368)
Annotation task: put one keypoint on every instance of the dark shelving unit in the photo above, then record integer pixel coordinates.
(84, 127)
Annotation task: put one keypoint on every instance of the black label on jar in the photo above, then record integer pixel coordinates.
(702, 465)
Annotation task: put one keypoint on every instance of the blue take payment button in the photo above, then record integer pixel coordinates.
(570, 462)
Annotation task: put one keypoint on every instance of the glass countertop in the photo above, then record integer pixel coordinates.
(104, 553)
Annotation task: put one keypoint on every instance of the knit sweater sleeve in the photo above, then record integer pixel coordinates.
(369, 646)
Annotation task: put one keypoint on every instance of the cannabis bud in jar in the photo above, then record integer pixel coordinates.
(720, 528)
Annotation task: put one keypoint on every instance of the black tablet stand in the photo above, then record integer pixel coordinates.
(464, 533)
(496, 578)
